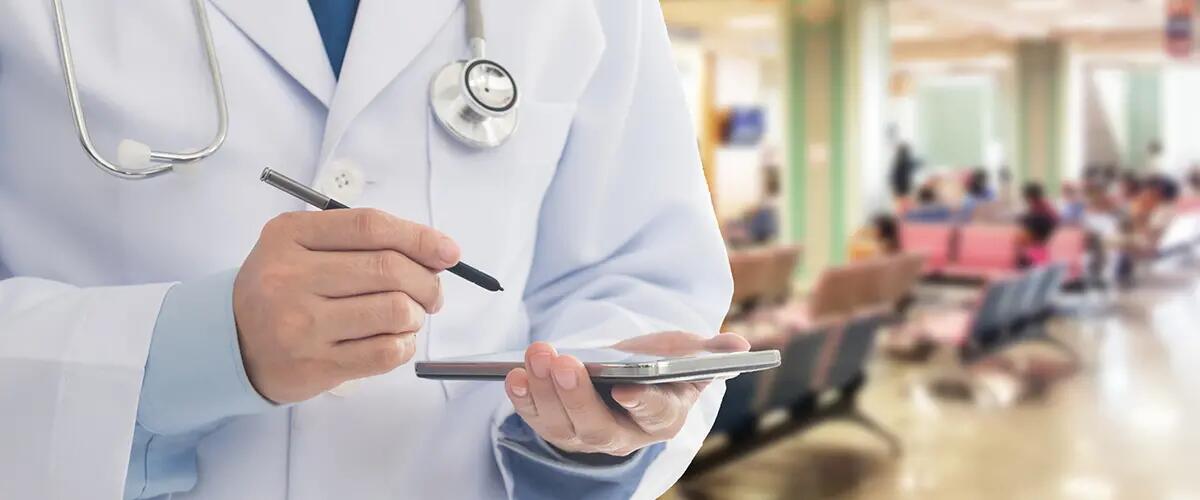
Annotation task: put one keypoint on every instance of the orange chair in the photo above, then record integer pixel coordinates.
(784, 260)
(840, 292)
(871, 282)
(900, 273)
(751, 270)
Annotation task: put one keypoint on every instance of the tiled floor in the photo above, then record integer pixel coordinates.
(1125, 427)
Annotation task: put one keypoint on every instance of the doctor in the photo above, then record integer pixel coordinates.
(178, 337)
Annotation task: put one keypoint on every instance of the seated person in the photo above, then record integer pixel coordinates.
(1073, 207)
(1129, 187)
(1193, 180)
(1035, 240)
(1155, 207)
(929, 209)
(1141, 232)
(1036, 203)
(880, 238)
(978, 193)
(760, 225)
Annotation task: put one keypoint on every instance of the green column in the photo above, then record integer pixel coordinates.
(1144, 113)
(825, 53)
(1041, 112)
(951, 130)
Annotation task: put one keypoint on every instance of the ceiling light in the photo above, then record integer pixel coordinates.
(1098, 21)
(749, 23)
(1039, 5)
(911, 31)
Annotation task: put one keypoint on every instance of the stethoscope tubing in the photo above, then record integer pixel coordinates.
(489, 127)
(161, 161)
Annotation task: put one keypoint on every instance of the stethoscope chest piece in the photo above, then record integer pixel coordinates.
(476, 102)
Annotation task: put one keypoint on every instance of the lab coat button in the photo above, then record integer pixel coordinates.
(343, 181)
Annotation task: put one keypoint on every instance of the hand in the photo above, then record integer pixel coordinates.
(327, 297)
(555, 396)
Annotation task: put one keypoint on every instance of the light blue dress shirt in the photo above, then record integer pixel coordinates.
(195, 381)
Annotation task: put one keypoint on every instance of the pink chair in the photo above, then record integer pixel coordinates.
(1069, 246)
(986, 251)
(933, 241)
(1190, 204)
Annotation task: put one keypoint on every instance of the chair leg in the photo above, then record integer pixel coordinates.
(895, 447)
(688, 490)
(1058, 344)
(803, 407)
(744, 431)
(979, 387)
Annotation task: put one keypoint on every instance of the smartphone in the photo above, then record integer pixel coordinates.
(610, 365)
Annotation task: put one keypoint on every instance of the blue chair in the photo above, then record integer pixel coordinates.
(856, 343)
(738, 416)
(793, 382)
(988, 322)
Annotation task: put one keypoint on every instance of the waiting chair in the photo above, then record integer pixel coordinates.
(792, 386)
(986, 251)
(1068, 245)
(933, 241)
(739, 412)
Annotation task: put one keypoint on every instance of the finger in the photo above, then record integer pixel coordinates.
(368, 315)
(670, 343)
(516, 384)
(657, 409)
(373, 355)
(727, 342)
(370, 229)
(595, 428)
(552, 422)
(346, 274)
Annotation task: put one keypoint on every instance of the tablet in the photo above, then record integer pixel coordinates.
(610, 365)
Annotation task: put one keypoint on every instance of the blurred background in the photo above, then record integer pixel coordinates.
(969, 226)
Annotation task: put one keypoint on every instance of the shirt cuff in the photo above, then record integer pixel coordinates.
(194, 372)
(538, 470)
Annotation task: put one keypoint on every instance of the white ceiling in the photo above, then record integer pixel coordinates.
(1020, 19)
(756, 22)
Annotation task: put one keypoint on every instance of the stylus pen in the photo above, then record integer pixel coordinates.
(316, 199)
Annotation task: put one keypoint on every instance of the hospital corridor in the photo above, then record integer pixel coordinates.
(970, 228)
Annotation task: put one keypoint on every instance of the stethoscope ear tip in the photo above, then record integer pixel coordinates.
(133, 155)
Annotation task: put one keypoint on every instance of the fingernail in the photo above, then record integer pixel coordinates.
(567, 379)
(448, 250)
(630, 404)
(520, 391)
(540, 365)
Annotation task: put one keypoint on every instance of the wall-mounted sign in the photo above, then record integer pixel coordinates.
(1181, 28)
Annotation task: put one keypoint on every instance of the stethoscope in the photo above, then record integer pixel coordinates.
(474, 100)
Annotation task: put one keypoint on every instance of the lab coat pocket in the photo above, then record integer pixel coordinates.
(489, 201)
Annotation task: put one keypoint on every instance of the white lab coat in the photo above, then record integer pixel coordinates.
(594, 216)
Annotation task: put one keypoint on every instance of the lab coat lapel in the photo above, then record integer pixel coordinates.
(387, 36)
(287, 32)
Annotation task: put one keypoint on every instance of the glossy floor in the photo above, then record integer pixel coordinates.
(1127, 426)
